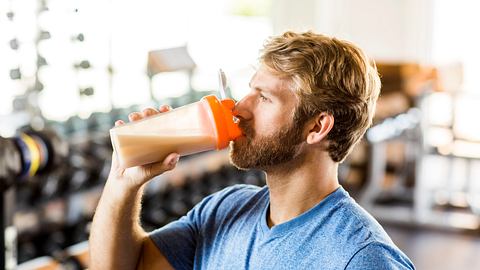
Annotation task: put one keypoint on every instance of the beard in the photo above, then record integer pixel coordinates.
(253, 151)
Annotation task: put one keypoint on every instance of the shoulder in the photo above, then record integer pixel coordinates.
(240, 190)
(234, 194)
(357, 225)
(231, 198)
(378, 255)
(369, 245)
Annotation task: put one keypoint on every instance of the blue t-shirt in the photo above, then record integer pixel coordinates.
(228, 230)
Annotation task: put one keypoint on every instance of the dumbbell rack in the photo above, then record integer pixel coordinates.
(9, 243)
(8, 235)
(90, 147)
(187, 176)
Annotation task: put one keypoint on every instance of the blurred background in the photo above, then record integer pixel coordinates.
(70, 68)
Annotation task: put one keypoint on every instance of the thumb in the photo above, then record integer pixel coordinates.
(167, 164)
(114, 165)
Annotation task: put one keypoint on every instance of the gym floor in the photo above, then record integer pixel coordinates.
(437, 249)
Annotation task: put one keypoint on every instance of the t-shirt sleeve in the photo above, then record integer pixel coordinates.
(379, 256)
(178, 240)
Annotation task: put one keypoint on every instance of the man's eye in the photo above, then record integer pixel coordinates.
(263, 98)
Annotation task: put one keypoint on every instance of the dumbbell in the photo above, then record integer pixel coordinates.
(119, 114)
(153, 214)
(26, 249)
(175, 202)
(199, 188)
(53, 240)
(79, 231)
(76, 125)
(56, 249)
(254, 177)
(230, 175)
(56, 183)
(99, 122)
(86, 166)
(29, 153)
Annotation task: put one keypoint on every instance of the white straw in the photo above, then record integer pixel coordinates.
(222, 83)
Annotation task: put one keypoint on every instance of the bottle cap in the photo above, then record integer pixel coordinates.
(225, 122)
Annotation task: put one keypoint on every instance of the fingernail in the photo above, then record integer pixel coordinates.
(175, 160)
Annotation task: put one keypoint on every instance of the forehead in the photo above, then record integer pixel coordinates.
(267, 81)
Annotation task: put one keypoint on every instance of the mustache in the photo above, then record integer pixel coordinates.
(246, 128)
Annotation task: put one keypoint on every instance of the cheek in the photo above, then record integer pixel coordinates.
(267, 125)
(268, 120)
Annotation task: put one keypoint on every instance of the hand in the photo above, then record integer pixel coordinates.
(135, 177)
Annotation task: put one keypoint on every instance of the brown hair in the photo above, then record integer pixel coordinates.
(329, 75)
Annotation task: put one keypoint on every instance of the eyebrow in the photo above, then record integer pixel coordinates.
(261, 89)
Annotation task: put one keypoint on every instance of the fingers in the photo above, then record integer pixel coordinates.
(149, 112)
(165, 108)
(134, 116)
(167, 164)
(119, 122)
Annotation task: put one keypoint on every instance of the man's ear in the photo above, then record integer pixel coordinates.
(319, 127)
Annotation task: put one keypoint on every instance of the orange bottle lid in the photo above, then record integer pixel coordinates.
(225, 123)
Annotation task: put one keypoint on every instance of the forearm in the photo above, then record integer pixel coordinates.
(116, 236)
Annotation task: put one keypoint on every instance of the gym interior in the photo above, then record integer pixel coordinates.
(69, 69)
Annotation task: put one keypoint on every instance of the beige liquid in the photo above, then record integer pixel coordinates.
(134, 149)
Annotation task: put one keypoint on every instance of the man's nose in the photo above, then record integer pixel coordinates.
(243, 109)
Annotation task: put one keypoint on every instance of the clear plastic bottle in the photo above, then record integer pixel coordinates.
(201, 126)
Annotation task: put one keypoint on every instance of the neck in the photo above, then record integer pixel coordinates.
(296, 189)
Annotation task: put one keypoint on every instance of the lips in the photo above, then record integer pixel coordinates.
(241, 138)
(247, 130)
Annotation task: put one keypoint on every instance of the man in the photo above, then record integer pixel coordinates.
(311, 100)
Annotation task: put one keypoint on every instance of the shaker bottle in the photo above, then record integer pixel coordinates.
(204, 125)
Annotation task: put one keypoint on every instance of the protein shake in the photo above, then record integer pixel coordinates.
(201, 126)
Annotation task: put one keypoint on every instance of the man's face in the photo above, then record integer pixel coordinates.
(266, 118)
